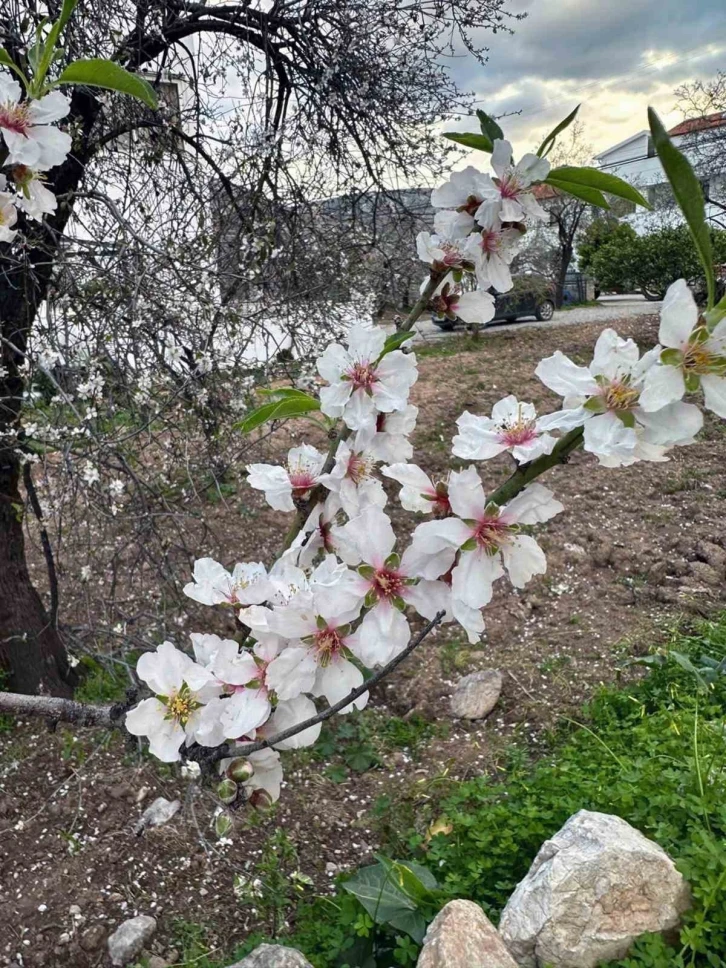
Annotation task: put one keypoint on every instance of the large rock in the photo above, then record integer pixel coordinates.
(592, 889)
(273, 956)
(462, 936)
(476, 694)
(129, 938)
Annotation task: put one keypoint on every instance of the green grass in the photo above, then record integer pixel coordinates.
(653, 753)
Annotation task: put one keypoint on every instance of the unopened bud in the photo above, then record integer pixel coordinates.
(240, 770)
(260, 799)
(227, 791)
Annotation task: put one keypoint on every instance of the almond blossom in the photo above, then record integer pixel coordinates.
(352, 475)
(508, 196)
(450, 301)
(492, 250)
(482, 539)
(8, 217)
(282, 485)
(390, 441)
(362, 380)
(182, 689)
(27, 126)
(34, 198)
(388, 586)
(605, 397)
(445, 249)
(513, 426)
(693, 356)
(214, 585)
(419, 493)
(463, 192)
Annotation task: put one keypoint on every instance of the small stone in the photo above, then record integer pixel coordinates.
(591, 891)
(462, 936)
(706, 574)
(273, 956)
(602, 554)
(129, 938)
(159, 812)
(142, 794)
(92, 937)
(156, 962)
(476, 694)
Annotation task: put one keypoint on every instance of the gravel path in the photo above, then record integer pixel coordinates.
(610, 307)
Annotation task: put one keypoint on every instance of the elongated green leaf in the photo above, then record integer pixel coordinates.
(97, 72)
(278, 410)
(590, 195)
(396, 340)
(489, 127)
(549, 141)
(688, 194)
(284, 393)
(685, 663)
(7, 60)
(469, 140)
(602, 181)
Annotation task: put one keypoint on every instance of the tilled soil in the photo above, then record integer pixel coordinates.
(636, 551)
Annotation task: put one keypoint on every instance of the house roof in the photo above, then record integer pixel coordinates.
(699, 124)
(621, 144)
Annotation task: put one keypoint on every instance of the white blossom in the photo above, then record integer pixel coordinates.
(693, 356)
(446, 247)
(295, 480)
(8, 217)
(508, 196)
(605, 397)
(464, 192)
(492, 250)
(214, 585)
(352, 475)
(361, 381)
(419, 493)
(27, 126)
(33, 197)
(90, 473)
(390, 441)
(513, 426)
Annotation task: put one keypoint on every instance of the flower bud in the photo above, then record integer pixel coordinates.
(227, 791)
(260, 799)
(240, 770)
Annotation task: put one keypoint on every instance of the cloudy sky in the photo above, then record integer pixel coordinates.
(616, 56)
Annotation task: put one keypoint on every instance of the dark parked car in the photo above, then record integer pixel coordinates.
(529, 296)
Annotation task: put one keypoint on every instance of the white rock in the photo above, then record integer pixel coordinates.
(273, 956)
(476, 694)
(129, 938)
(591, 890)
(462, 936)
(159, 812)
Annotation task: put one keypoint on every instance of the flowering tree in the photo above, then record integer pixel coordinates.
(337, 601)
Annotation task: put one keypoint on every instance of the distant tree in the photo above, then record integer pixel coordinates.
(601, 231)
(707, 146)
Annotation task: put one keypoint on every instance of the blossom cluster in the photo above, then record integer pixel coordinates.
(340, 599)
(30, 145)
(477, 230)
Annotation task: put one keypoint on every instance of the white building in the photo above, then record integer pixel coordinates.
(702, 140)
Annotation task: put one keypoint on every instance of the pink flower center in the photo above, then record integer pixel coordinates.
(14, 117)
(328, 644)
(510, 186)
(452, 254)
(491, 533)
(387, 584)
(490, 241)
(359, 468)
(362, 376)
(301, 479)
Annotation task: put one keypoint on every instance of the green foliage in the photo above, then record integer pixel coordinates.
(549, 142)
(466, 139)
(97, 72)
(281, 404)
(100, 683)
(573, 179)
(653, 753)
(652, 262)
(598, 233)
(396, 893)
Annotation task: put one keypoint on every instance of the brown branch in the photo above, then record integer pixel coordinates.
(45, 541)
(62, 710)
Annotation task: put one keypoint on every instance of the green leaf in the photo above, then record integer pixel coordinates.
(685, 663)
(7, 60)
(97, 72)
(278, 410)
(601, 180)
(489, 127)
(395, 340)
(687, 192)
(590, 195)
(283, 393)
(549, 141)
(392, 893)
(470, 140)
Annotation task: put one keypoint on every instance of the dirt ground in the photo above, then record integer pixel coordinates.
(636, 551)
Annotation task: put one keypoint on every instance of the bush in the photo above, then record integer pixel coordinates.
(652, 262)
(600, 232)
(653, 753)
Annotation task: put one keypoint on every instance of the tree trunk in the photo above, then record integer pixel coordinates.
(562, 267)
(31, 650)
